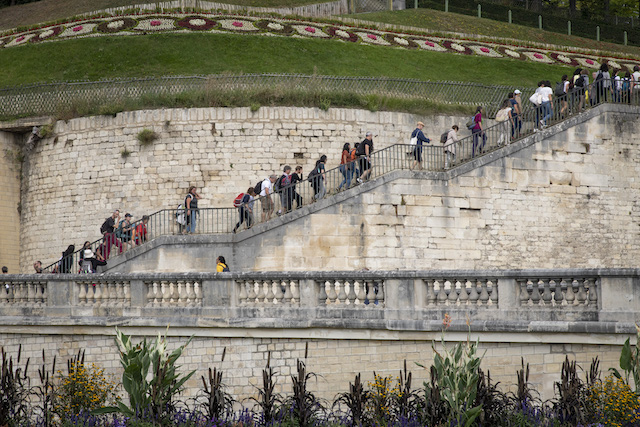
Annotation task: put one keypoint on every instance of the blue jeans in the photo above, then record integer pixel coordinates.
(347, 173)
(547, 111)
(477, 145)
(191, 221)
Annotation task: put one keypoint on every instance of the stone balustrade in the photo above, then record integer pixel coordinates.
(522, 300)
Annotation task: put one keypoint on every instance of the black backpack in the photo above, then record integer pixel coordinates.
(444, 137)
(559, 91)
(360, 151)
(104, 228)
(258, 188)
(314, 172)
(580, 81)
(278, 185)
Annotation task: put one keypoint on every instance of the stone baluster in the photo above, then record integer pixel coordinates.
(82, 294)
(91, 293)
(97, 295)
(484, 294)
(431, 295)
(558, 296)
(473, 291)
(113, 293)
(288, 294)
(381, 294)
(127, 294)
(269, 296)
(441, 295)
(452, 298)
(190, 294)
(44, 292)
(279, 293)
(546, 294)
(322, 293)
(6, 294)
(22, 301)
(464, 296)
(182, 293)
(150, 293)
(524, 292)
(41, 296)
(242, 293)
(106, 294)
(120, 293)
(570, 296)
(30, 293)
(351, 294)
(493, 295)
(197, 290)
(260, 295)
(582, 293)
(295, 292)
(535, 292)
(36, 295)
(593, 293)
(371, 294)
(331, 294)
(252, 295)
(165, 295)
(175, 297)
(360, 294)
(157, 294)
(342, 295)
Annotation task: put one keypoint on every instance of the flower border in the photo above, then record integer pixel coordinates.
(289, 27)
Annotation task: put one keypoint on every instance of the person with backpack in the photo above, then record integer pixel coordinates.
(346, 167)
(546, 107)
(505, 121)
(317, 178)
(282, 186)
(221, 265)
(364, 151)
(295, 179)
(577, 90)
(108, 233)
(560, 92)
(516, 110)
(140, 231)
(191, 209)
(245, 210)
(626, 88)
(616, 87)
(124, 231)
(419, 138)
(478, 133)
(266, 189)
(66, 260)
(354, 156)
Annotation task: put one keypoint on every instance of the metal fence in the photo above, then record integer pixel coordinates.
(49, 98)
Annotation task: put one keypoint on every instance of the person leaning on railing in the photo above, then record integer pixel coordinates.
(140, 231)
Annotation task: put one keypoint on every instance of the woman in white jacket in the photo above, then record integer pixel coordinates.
(450, 147)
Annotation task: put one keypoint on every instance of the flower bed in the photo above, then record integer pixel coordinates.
(214, 23)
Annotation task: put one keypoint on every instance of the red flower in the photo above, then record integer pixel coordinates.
(590, 62)
(484, 49)
(19, 39)
(428, 43)
(537, 55)
(237, 24)
(310, 29)
(372, 36)
(78, 28)
(155, 23)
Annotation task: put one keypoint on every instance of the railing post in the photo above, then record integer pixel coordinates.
(218, 293)
(597, 32)
(138, 293)
(508, 294)
(569, 27)
(399, 294)
(60, 293)
(416, 4)
(540, 22)
(479, 10)
(308, 293)
(625, 38)
(510, 17)
(446, 5)
(618, 295)
(391, 5)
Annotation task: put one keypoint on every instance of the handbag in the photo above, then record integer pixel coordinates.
(536, 98)
(414, 141)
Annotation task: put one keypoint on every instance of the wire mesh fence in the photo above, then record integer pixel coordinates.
(51, 98)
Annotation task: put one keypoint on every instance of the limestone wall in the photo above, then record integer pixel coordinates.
(565, 200)
(9, 202)
(334, 355)
(78, 177)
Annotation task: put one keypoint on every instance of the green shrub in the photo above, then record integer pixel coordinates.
(146, 137)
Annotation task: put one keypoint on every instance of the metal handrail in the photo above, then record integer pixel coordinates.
(389, 159)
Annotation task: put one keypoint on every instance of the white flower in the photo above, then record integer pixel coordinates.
(237, 25)
(22, 39)
(114, 25)
(429, 45)
(156, 24)
(401, 41)
(512, 53)
(78, 29)
(538, 57)
(197, 22)
(457, 47)
(309, 31)
(485, 51)
(275, 26)
(373, 39)
(588, 62)
(563, 58)
(343, 34)
(614, 64)
(45, 34)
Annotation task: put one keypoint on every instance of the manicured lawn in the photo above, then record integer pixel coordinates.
(436, 20)
(189, 54)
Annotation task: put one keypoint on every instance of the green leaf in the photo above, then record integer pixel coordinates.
(625, 356)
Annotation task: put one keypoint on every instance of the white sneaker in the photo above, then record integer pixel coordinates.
(542, 125)
(359, 180)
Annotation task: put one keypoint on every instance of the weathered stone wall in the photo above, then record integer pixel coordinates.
(78, 177)
(567, 199)
(336, 356)
(9, 202)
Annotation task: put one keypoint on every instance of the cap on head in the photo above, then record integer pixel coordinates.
(517, 92)
(128, 215)
(369, 134)
(420, 124)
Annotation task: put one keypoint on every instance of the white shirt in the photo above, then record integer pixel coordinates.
(636, 79)
(266, 184)
(618, 82)
(545, 92)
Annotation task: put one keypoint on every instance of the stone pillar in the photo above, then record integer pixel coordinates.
(308, 293)
(508, 294)
(619, 295)
(219, 293)
(138, 293)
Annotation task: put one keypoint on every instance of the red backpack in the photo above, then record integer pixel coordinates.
(237, 202)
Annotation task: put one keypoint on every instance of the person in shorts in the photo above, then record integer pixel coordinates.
(266, 200)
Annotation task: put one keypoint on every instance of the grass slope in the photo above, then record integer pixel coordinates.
(435, 20)
(187, 54)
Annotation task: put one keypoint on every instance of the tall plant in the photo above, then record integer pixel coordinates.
(630, 362)
(150, 376)
(14, 389)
